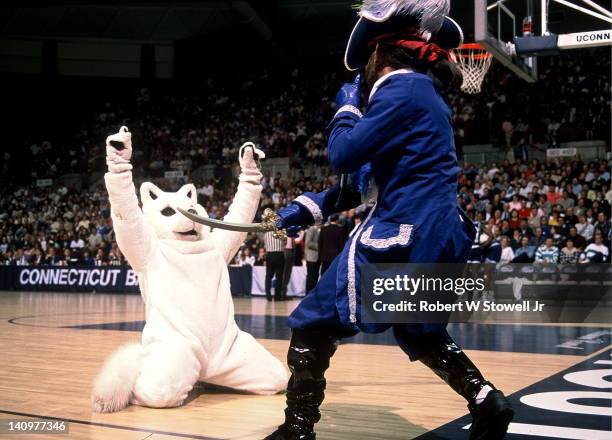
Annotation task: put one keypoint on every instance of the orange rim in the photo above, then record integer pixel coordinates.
(473, 47)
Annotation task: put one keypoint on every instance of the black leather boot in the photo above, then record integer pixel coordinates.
(308, 358)
(492, 416)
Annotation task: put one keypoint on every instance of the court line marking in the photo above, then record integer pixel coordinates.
(15, 318)
(560, 432)
(108, 425)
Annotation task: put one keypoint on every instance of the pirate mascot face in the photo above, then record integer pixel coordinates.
(400, 136)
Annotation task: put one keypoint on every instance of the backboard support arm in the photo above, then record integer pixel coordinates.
(501, 51)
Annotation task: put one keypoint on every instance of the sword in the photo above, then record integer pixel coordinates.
(268, 223)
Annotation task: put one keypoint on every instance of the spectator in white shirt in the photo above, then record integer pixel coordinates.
(525, 190)
(584, 228)
(493, 170)
(246, 258)
(507, 254)
(77, 243)
(596, 252)
(95, 239)
(207, 190)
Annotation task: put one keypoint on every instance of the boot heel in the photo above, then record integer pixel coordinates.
(491, 418)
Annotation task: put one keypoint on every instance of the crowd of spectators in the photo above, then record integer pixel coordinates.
(183, 126)
(541, 212)
(570, 101)
(56, 226)
(61, 226)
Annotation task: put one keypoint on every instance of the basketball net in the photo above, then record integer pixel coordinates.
(474, 62)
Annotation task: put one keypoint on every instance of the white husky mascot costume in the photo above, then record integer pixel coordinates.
(190, 333)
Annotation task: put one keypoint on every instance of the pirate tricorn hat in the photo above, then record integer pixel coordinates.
(381, 17)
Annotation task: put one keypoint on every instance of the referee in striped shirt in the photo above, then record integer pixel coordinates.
(275, 264)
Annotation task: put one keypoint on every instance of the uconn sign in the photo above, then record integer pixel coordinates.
(585, 39)
(595, 36)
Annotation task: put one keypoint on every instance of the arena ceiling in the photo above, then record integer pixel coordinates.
(322, 25)
(159, 22)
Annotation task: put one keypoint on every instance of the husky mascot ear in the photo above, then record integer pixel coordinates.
(160, 211)
(149, 192)
(189, 191)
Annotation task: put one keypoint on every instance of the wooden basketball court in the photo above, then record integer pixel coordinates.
(53, 344)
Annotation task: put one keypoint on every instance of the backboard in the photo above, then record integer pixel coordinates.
(516, 32)
(497, 23)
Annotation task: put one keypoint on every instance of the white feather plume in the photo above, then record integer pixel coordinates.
(430, 13)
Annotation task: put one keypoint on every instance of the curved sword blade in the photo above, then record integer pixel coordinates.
(229, 226)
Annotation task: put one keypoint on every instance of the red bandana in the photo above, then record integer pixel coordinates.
(425, 52)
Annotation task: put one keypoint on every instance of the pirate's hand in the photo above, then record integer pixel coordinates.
(249, 169)
(350, 94)
(119, 151)
(293, 218)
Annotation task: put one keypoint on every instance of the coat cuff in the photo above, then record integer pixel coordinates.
(311, 206)
(349, 108)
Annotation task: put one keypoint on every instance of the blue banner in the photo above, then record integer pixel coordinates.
(110, 279)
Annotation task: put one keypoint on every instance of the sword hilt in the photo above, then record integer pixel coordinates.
(268, 221)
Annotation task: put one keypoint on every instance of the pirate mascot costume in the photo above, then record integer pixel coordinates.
(403, 142)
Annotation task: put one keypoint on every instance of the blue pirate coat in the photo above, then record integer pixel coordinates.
(405, 138)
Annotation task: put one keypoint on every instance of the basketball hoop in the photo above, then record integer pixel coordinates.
(474, 62)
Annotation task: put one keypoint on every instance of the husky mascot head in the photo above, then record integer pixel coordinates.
(160, 211)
